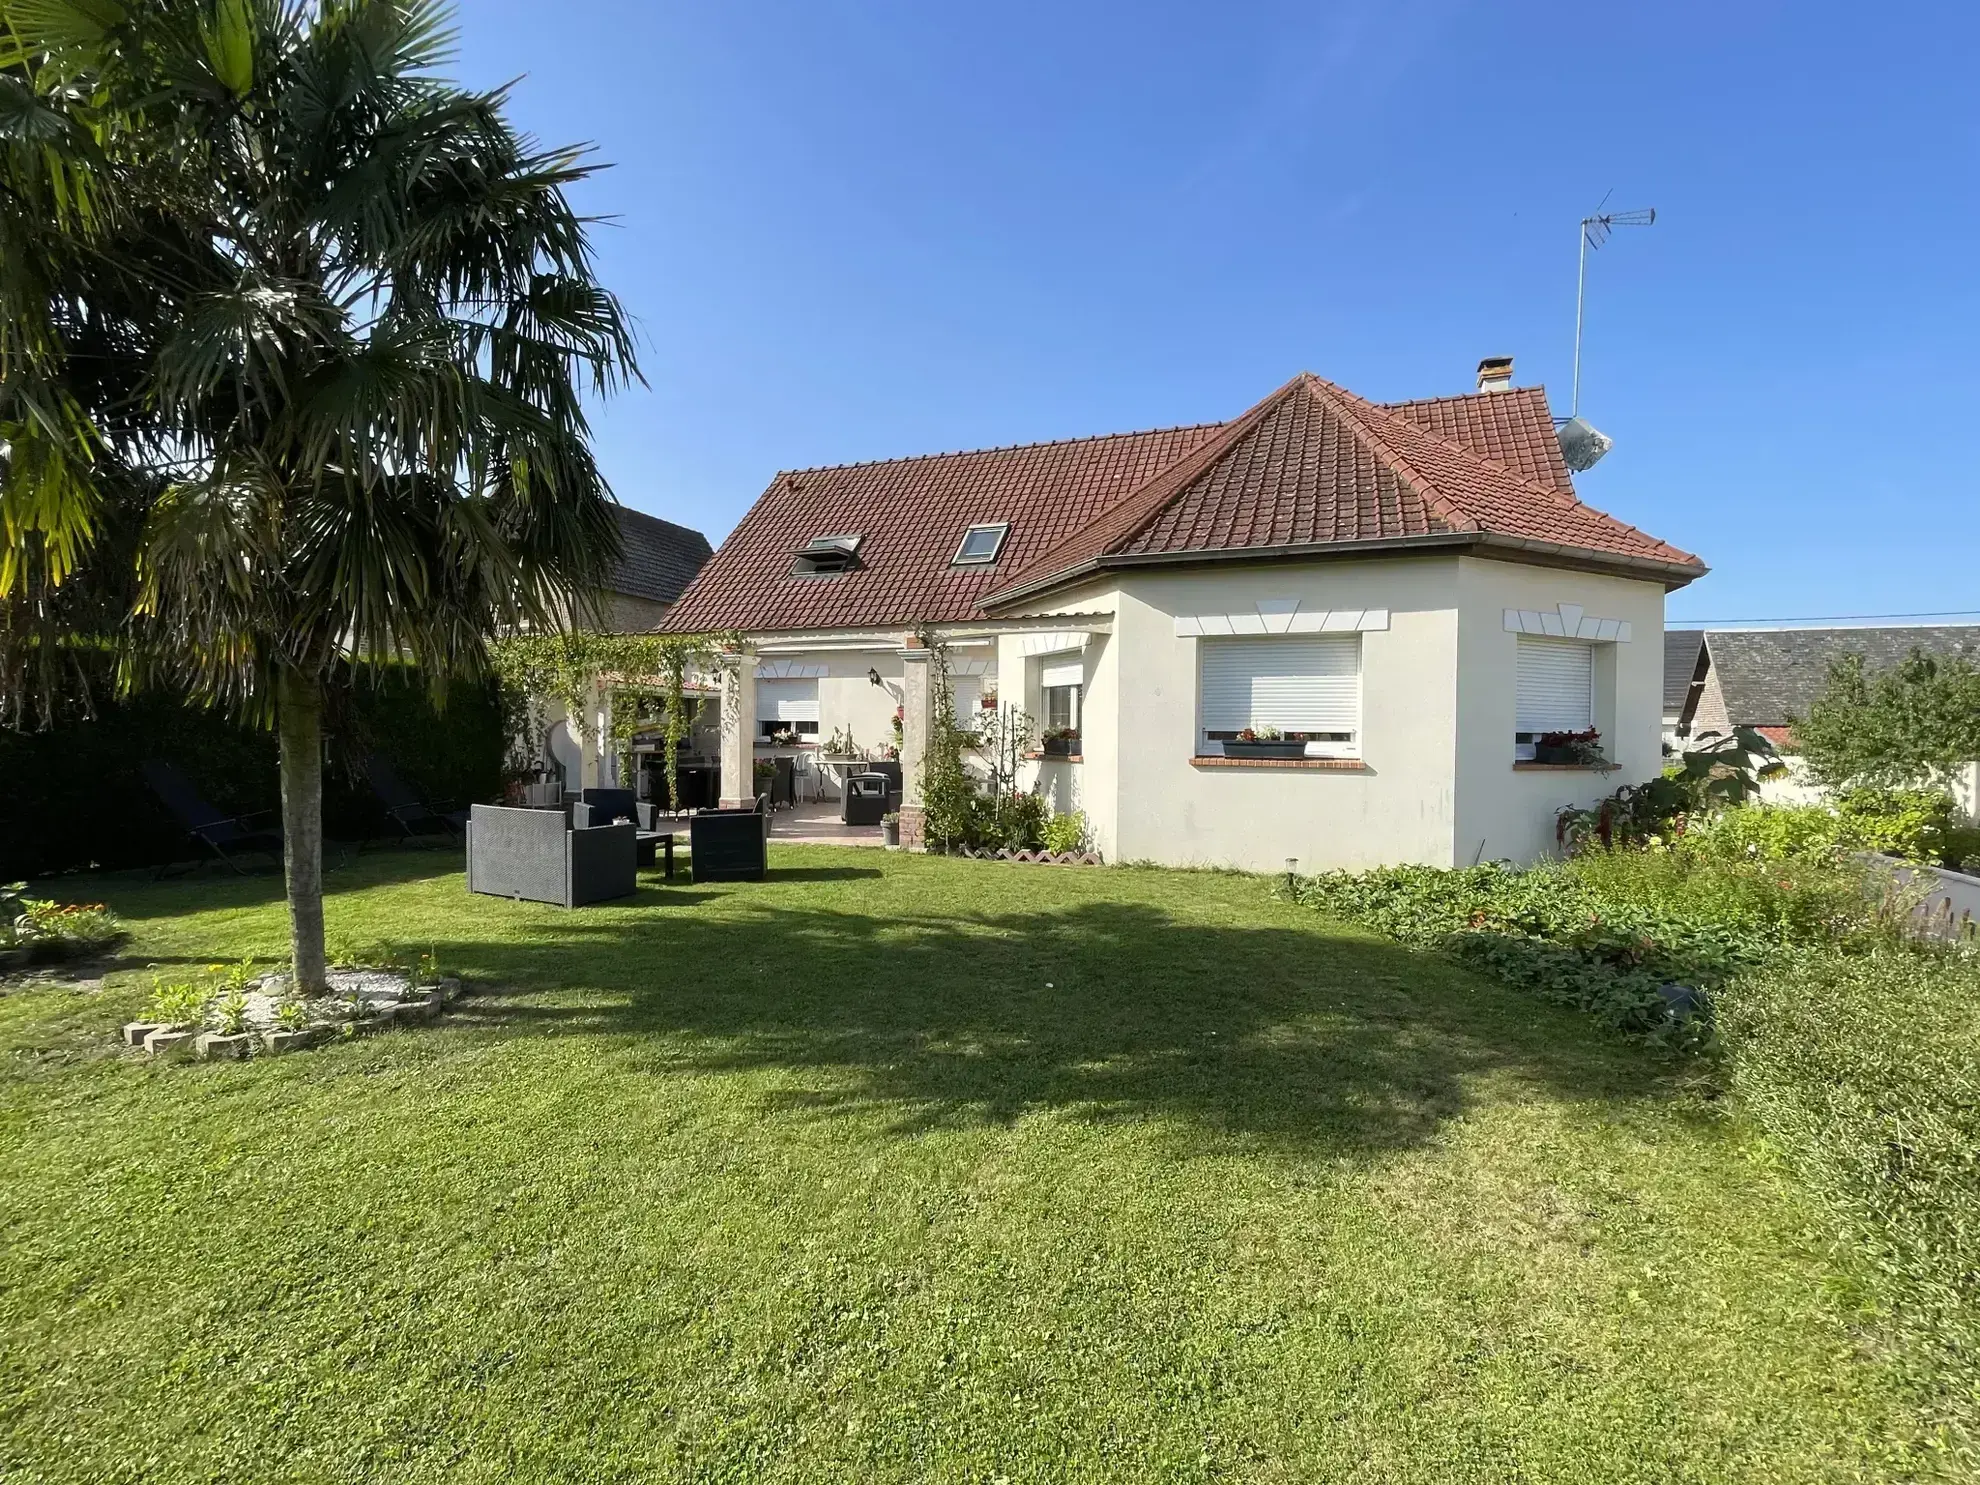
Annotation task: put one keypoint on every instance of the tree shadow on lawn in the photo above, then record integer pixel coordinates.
(1105, 1010)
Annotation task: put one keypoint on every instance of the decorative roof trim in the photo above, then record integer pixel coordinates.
(1569, 621)
(1054, 643)
(1275, 620)
(1459, 543)
(776, 670)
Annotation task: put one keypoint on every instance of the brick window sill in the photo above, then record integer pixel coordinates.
(1328, 765)
(1055, 757)
(1524, 767)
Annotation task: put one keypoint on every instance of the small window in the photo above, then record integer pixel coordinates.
(827, 556)
(981, 544)
(1061, 708)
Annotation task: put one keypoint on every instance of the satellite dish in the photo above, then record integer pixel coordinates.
(1583, 444)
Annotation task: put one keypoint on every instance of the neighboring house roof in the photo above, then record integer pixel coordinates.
(658, 559)
(1770, 676)
(1681, 653)
(1310, 470)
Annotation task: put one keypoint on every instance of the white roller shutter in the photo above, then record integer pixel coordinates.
(787, 701)
(1556, 684)
(968, 690)
(1062, 672)
(1296, 683)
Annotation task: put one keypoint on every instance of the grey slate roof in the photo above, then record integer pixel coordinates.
(1770, 676)
(659, 559)
(1680, 664)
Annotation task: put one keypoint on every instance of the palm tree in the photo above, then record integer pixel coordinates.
(315, 326)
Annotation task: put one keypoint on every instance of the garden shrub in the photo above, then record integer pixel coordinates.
(1864, 1072)
(1066, 834)
(1912, 824)
(1621, 935)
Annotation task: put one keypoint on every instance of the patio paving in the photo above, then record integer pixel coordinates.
(819, 824)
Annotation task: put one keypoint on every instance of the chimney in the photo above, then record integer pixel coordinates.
(1495, 374)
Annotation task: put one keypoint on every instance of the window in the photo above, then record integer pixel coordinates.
(980, 545)
(966, 691)
(1556, 689)
(1306, 686)
(787, 708)
(827, 556)
(1060, 681)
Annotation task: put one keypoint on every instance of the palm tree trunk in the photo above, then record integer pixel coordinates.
(299, 721)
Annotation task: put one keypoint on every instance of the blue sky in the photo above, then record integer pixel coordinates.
(856, 231)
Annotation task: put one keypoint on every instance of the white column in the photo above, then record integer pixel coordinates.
(917, 715)
(590, 734)
(739, 729)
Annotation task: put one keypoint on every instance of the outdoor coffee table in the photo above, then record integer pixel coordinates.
(647, 840)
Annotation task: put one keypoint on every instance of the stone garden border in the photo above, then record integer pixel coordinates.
(406, 1005)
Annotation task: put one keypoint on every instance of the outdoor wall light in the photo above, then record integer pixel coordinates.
(874, 676)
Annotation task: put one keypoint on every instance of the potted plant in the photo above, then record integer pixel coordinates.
(1580, 749)
(1061, 742)
(1264, 742)
(890, 830)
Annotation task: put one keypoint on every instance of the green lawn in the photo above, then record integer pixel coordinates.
(895, 1169)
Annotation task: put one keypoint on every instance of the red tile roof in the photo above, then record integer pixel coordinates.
(1310, 466)
(1515, 427)
(1314, 466)
(911, 515)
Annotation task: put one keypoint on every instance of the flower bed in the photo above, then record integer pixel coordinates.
(235, 1014)
(34, 930)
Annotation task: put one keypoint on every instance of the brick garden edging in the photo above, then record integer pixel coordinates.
(1033, 858)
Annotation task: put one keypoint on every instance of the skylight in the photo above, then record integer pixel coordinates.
(827, 556)
(980, 544)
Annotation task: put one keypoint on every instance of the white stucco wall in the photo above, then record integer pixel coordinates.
(1436, 782)
(1505, 812)
(1398, 806)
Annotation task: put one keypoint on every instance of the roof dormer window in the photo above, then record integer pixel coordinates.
(981, 544)
(827, 556)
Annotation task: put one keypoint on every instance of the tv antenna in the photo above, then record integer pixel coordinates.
(1595, 230)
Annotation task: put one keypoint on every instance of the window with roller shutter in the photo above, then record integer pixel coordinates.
(1556, 689)
(1306, 686)
(787, 706)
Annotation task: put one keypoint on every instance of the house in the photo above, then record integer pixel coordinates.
(1765, 678)
(1411, 592)
(1682, 658)
(657, 560)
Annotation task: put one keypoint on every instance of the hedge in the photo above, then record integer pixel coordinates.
(74, 798)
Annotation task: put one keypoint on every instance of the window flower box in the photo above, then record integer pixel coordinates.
(1261, 748)
(1061, 745)
(1573, 748)
(1264, 742)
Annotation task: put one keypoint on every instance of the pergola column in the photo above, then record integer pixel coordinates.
(739, 729)
(917, 723)
(591, 734)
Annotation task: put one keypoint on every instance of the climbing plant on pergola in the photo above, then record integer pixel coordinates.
(631, 671)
